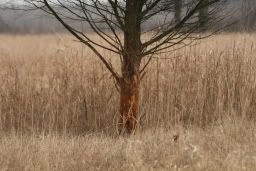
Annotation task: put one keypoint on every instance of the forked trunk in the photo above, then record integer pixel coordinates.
(129, 103)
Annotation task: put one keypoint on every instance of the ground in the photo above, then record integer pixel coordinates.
(227, 146)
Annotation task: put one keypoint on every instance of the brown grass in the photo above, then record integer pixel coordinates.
(59, 107)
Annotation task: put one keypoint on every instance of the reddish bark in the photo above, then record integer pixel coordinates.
(129, 104)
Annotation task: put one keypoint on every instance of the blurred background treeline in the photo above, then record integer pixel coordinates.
(36, 21)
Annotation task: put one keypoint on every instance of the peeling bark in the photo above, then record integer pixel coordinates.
(129, 104)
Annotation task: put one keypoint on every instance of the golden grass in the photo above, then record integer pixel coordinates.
(229, 146)
(59, 106)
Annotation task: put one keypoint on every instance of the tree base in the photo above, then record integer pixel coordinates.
(129, 104)
(127, 126)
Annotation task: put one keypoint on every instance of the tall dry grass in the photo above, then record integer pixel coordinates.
(50, 83)
(59, 106)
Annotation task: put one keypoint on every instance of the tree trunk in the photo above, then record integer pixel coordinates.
(130, 81)
(129, 103)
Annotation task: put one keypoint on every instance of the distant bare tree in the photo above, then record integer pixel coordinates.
(203, 16)
(248, 14)
(178, 10)
(3, 25)
(118, 23)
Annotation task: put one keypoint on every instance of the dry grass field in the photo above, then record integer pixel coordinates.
(59, 107)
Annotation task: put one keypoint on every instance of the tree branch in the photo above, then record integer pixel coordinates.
(71, 30)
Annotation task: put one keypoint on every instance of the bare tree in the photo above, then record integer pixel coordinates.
(203, 16)
(119, 24)
(248, 10)
(3, 25)
(178, 10)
